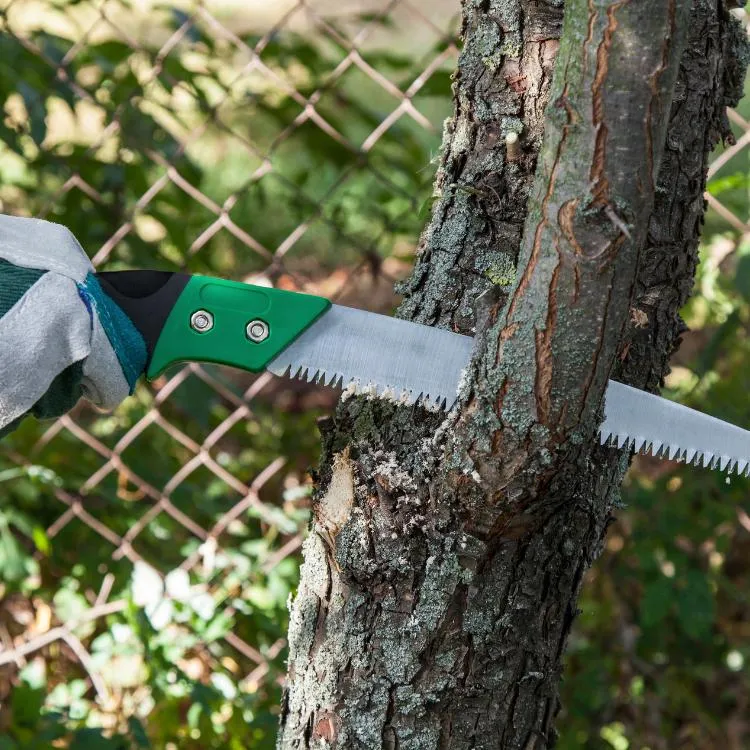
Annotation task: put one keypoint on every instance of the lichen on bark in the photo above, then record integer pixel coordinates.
(445, 556)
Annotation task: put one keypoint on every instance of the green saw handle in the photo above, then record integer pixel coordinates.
(204, 319)
(235, 309)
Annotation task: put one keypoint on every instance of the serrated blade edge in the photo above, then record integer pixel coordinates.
(378, 354)
(653, 425)
(405, 361)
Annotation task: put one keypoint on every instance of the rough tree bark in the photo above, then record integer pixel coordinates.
(446, 555)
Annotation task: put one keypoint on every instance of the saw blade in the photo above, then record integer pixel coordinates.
(388, 357)
(654, 425)
(405, 361)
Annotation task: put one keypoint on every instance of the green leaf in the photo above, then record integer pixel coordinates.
(26, 705)
(93, 739)
(615, 735)
(656, 601)
(41, 540)
(34, 674)
(379, 18)
(439, 84)
(9, 474)
(138, 733)
(69, 605)
(12, 558)
(108, 55)
(218, 627)
(742, 277)
(695, 605)
(710, 354)
(425, 209)
(194, 715)
(37, 111)
(730, 182)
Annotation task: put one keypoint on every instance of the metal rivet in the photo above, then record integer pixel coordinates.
(201, 321)
(257, 330)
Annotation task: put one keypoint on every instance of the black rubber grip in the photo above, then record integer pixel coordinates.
(146, 297)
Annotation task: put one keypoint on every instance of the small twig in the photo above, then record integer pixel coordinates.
(60, 633)
(609, 212)
(8, 644)
(85, 659)
(105, 590)
(512, 147)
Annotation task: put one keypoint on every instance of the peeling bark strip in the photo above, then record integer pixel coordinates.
(435, 603)
(559, 332)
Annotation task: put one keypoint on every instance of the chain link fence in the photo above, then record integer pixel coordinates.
(147, 556)
(151, 552)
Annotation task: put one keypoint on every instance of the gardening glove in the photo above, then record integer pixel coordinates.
(61, 337)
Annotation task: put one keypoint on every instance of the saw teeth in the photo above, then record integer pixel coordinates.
(621, 440)
(640, 444)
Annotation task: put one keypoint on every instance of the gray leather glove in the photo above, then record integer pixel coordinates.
(60, 337)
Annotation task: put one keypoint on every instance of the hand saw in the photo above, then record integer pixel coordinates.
(204, 319)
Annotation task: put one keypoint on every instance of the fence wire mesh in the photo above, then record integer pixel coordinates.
(286, 144)
(151, 552)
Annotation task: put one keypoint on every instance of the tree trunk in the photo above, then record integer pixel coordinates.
(446, 554)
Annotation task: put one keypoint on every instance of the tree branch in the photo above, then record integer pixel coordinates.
(552, 348)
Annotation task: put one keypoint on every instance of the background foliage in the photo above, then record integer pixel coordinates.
(147, 557)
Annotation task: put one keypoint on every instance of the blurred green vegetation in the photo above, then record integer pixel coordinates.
(216, 146)
(221, 150)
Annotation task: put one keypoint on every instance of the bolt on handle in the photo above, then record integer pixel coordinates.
(202, 321)
(257, 331)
